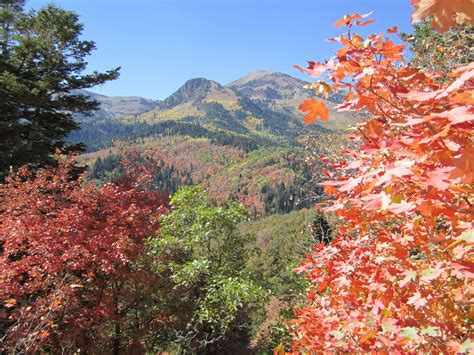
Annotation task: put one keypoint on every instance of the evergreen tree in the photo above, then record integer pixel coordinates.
(41, 63)
(321, 229)
(442, 52)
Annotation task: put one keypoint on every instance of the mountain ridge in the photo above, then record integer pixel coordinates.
(115, 107)
(267, 84)
(280, 91)
(258, 108)
(239, 140)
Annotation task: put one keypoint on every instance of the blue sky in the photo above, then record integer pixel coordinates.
(162, 43)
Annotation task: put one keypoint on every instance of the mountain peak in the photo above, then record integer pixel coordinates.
(200, 83)
(269, 85)
(193, 90)
(259, 73)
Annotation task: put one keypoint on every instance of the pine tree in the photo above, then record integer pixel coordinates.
(321, 229)
(41, 63)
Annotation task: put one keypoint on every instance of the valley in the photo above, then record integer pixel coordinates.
(243, 141)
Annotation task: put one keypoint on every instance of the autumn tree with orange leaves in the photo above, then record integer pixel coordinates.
(399, 275)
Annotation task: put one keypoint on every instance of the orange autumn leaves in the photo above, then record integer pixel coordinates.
(443, 13)
(348, 19)
(313, 109)
(398, 277)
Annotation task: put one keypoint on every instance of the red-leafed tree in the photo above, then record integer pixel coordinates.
(69, 260)
(399, 275)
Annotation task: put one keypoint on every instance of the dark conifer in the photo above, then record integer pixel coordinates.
(42, 59)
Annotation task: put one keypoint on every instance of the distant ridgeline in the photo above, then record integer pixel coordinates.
(257, 113)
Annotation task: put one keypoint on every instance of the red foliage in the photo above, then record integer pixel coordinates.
(66, 249)
(399, 275)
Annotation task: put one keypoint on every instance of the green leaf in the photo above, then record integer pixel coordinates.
(337, 334)
(467, 346)
(467, 236)
(430, 331)
(387, 327)
(427, 272)
(409, 332)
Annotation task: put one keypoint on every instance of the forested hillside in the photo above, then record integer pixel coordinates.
(240, 140)
(266, 180)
